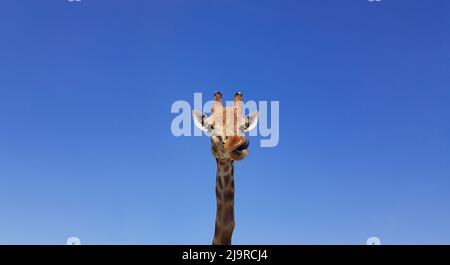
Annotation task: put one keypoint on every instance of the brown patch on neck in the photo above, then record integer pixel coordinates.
(224, 225)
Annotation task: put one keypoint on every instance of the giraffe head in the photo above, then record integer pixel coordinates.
(226, 127)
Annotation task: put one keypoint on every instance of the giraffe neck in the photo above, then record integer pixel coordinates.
(225, 203)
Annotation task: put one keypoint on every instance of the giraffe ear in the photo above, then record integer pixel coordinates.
(251, 121)
(199, 120)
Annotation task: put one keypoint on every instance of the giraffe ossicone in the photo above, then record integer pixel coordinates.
(226, 126)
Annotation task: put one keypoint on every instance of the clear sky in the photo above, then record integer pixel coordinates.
(86, 148)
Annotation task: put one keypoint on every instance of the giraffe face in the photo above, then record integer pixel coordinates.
(227, 127)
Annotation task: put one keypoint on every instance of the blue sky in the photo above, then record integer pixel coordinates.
(86, 148)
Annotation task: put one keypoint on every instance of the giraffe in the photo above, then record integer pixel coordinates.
(226, 126)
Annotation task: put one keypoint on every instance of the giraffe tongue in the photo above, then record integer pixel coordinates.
(244, 145)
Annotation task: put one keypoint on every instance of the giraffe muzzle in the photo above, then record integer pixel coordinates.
(244, 145)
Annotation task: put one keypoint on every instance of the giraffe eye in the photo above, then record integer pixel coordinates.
(210, 126)
(242, 129)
